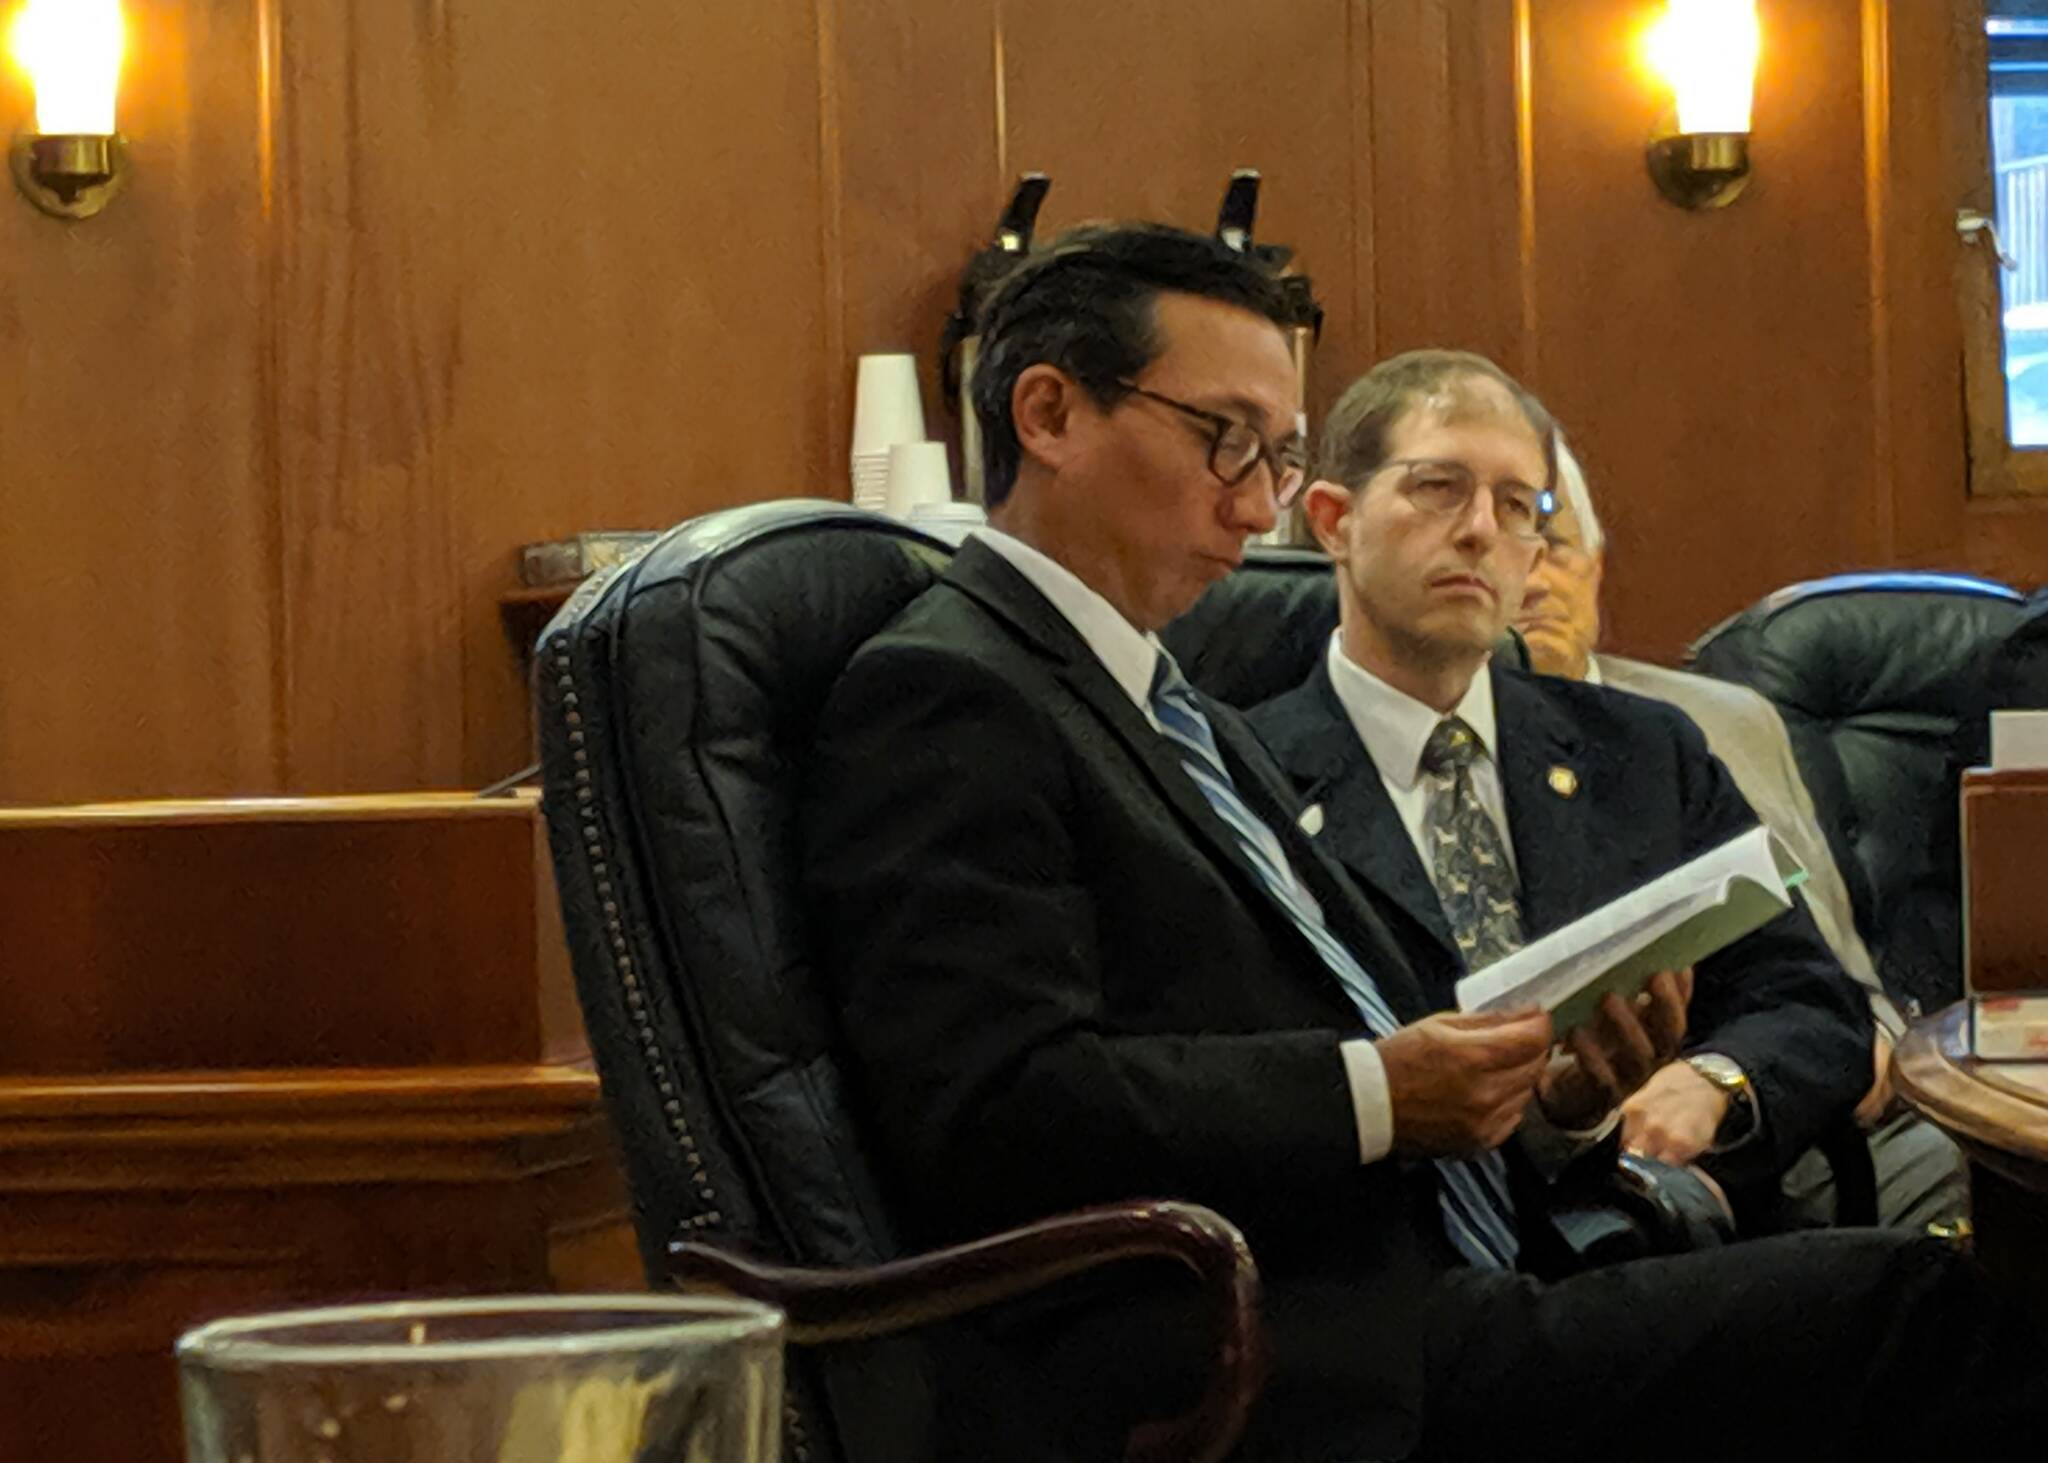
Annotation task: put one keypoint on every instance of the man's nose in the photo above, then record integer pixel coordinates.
(1477, 521)
(1252, 504)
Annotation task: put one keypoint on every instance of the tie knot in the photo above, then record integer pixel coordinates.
(1167, 680)
(1451, 748)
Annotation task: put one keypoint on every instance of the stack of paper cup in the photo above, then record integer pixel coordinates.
(918, 477)
(886, 411)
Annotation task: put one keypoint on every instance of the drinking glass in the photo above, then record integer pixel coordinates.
(540, 1379)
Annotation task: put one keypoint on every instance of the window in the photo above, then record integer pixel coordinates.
(2017, 47)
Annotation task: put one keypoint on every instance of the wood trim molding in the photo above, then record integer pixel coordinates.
(296, 1128)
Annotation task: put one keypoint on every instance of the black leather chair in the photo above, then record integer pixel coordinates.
(1884, 682)
(677, 696)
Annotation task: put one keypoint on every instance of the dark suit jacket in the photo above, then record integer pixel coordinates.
(1648, 797)
(1063, 984)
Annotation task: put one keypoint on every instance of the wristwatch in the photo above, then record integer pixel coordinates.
(1740, 1122)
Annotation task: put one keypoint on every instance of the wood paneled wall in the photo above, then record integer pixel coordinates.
(401, 284)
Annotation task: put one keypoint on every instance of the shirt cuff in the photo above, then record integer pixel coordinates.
(1372, 1103)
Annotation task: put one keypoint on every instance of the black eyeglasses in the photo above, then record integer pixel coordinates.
(1445, 490)
(1235, 448)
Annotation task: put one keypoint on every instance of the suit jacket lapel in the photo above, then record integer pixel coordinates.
(1542, 769)
(1320, 749)
(983, 573)
(1351, 918)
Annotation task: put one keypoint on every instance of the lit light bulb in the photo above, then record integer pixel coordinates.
(1706, 50)
(71, 50)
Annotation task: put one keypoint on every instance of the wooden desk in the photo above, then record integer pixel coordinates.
(1998, 1112)
(262, 1053)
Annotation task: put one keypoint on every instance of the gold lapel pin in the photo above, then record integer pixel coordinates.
(1563, 781)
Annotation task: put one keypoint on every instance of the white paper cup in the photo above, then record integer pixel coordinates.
(918, 476)
(886, 406)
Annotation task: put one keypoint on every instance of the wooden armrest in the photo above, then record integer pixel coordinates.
(843, 1305)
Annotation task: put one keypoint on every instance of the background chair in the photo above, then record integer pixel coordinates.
(1884, 682)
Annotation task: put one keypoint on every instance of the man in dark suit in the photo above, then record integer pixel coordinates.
(1433, 506)
(1082, 952)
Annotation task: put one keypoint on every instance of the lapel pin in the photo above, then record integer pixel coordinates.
(1563, 781)
(1311, 819)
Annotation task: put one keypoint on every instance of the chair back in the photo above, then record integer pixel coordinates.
(1261, 631)
(1882, 683)
(677, 696)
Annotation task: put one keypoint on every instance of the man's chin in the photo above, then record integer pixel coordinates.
(1552, 654)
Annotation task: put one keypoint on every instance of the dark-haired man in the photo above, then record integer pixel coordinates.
(1082, 953)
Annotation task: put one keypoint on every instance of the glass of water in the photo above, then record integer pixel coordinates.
(540, 1379)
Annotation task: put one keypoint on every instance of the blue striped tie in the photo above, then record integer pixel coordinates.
(1479, 1216)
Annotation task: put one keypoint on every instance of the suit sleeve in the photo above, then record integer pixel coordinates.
(958, 920)
(1777, 1000)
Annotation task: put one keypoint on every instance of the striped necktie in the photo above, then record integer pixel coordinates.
(1479, 1216)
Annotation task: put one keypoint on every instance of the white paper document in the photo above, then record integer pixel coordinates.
(1667, 924)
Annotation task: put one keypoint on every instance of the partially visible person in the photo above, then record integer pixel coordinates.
(1920, 1172)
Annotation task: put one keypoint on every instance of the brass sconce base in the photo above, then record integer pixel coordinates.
(69, 175)
(1700, 169)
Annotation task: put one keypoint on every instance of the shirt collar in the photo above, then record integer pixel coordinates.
(1129, 654)
(1593, 671)
(1395, 726)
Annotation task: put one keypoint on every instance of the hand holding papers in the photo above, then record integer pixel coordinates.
(1667, 924)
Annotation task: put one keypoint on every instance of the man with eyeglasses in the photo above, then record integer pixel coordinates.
(1920, 1174)
(1083, 952)
(1494, 806)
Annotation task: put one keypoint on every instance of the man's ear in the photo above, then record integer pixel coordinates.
(1327, 505)
(1042, 408)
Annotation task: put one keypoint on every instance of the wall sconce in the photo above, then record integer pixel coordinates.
(1706, 50)
(74, 162)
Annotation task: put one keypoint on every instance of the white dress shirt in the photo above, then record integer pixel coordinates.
(1395, 727)
(1131, 656)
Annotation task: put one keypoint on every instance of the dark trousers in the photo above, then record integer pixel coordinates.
(1869, 1344)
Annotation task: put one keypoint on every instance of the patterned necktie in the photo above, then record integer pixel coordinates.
(1479, 1216)
(1468, 859)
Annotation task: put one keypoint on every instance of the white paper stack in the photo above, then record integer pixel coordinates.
(1667, 924)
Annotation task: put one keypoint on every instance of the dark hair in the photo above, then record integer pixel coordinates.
(1085, 305)
(1355, 432)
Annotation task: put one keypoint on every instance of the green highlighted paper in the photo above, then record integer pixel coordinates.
(1669, 923)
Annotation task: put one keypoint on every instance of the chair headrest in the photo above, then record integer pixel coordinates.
(1863, 644)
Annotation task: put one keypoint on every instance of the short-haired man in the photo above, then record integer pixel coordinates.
(1494, 806)
(1082, 953)
(1920, 1176)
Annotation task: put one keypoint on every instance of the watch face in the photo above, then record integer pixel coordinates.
(1719, 1070)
